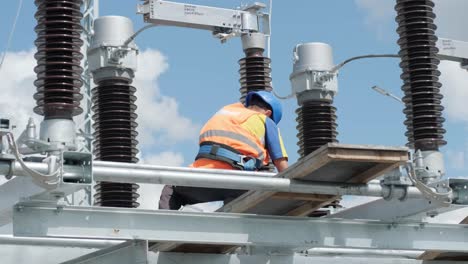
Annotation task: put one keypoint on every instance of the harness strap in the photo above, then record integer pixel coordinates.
(232, 136)
(221, 152)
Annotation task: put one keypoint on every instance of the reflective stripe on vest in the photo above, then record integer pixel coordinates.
(235, 136)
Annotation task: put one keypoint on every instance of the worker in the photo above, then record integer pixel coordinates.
(237, 137)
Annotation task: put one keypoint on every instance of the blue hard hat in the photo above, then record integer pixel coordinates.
(270, 99)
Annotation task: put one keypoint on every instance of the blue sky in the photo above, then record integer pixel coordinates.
(187, 74)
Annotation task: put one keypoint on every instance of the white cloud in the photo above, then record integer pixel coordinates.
(455, 80)
(149, 196)
(451, 24)
(378, 10)
(149, 193)
(450, 19)
(158, 116)
(456, 159)
(17, 77)
(166, 158)
(379, 14)
(455, 83)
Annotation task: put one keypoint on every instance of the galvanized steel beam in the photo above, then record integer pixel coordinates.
(234, 229)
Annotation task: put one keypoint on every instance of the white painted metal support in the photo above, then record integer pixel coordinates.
(20, 188)
(18, 254)
(90, 12)
(172, 258)
(58, 242)
(11, 192)
(411, 254)
(134, 251)
(23, 188)
(393, 210)
(296, 233)
(170, 13)
(46, 255)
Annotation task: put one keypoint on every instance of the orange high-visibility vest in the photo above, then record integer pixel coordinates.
(225, 127)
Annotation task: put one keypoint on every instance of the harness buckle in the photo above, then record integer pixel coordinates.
(249, 163)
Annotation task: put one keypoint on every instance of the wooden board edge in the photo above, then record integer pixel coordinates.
(363, 155)
(297, 196)
(310, 207)
(246, 201)
(373, 172)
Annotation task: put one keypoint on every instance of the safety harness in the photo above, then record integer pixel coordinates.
(221, 152)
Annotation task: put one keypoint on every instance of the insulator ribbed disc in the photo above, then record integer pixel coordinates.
(115, 137)
(255, 75)
(420, 76)
(116, 194)
(58, 58)
(316, 126)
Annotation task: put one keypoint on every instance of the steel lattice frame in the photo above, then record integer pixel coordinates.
(84, 127)
(90, 12)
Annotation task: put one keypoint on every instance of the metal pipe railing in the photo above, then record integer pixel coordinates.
(409, 254)
(58, 242)
(211, 178)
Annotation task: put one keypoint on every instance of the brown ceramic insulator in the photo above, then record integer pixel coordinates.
(316, 126)
(420, 75)
(115, 137)
(58, 58)
(255, 74)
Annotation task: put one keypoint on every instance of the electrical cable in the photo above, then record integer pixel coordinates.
(132, 37)
(283, 97)
(340, 65)
(10, 37)
(335, 69)
(46, 181)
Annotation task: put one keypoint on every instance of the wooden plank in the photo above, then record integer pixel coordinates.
(190, 248)
(440, 255)
(308, 208)
(246, 201)
(322, 200)
(373, 172)
(249, 202)
(331, 163)
(298, 196)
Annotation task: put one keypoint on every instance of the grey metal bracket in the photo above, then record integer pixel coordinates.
(394, 210)
(453, 50)
(459, 187)
(134, 251)
(224, 23)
